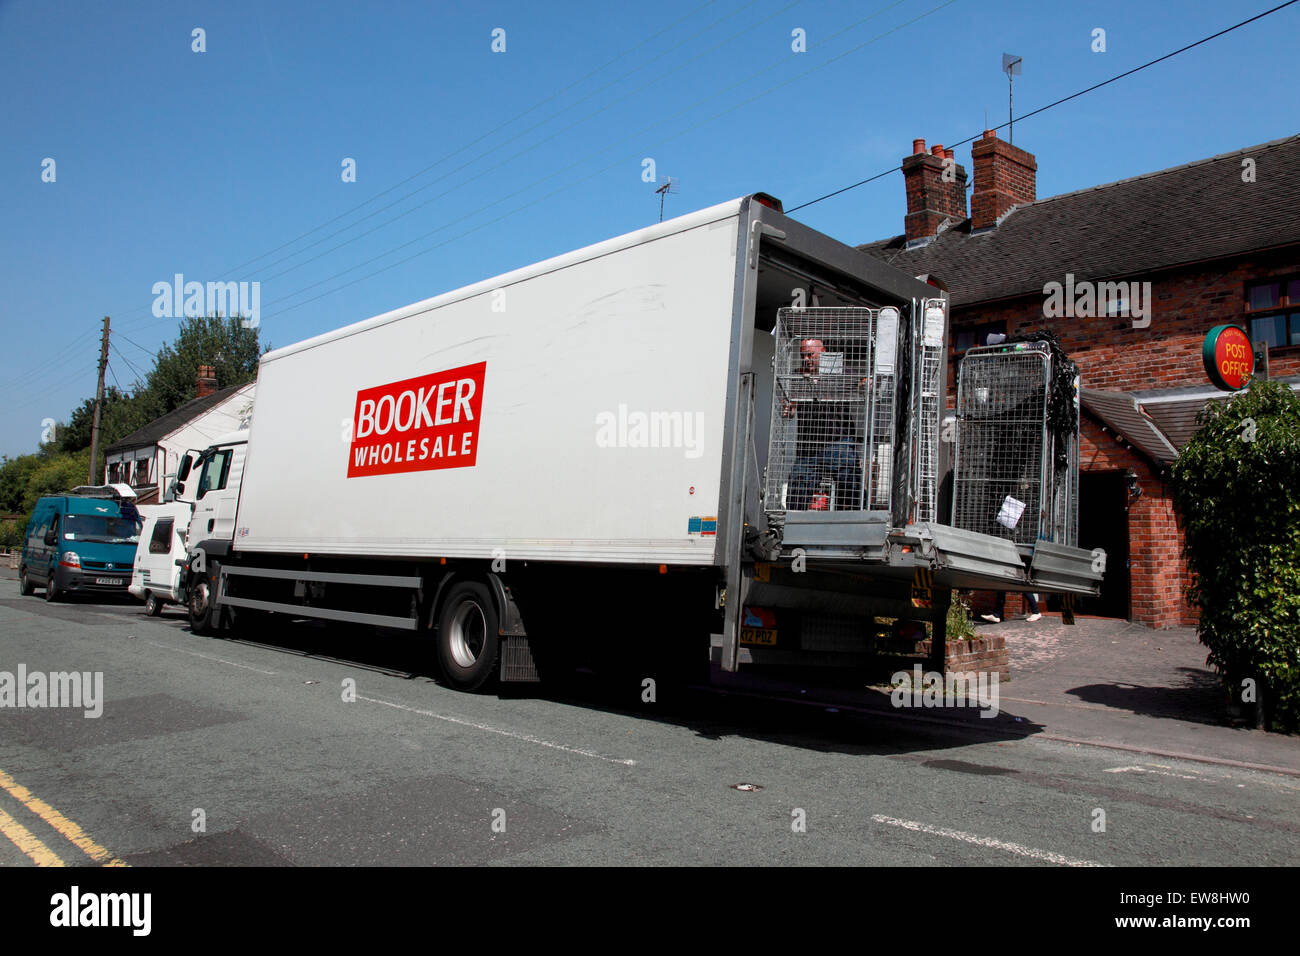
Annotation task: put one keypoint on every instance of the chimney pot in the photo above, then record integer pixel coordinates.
(948, 154)
(918, 146)
(990, 134)
(937, 150)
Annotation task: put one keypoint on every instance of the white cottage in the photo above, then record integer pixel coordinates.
(148, 458)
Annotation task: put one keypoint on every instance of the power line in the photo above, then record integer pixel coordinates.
(552, 174)
(522, 152)
(137, 345)
(1065, 99)
(495, 129)
(41, 367)
(576, 182)
(43, 395)
(118, 353)
(484, 136)
(517, 136)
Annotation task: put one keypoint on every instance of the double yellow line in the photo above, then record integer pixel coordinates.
(26, 841)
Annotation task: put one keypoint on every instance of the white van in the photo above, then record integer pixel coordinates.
(156, 575)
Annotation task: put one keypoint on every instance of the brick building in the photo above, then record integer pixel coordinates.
(1130, 276)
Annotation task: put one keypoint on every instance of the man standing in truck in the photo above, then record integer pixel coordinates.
(826, 445)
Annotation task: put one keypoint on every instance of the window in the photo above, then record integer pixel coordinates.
(161, 542)
(1273, 311)
(215, 470)
(114, 472)
(974, 335)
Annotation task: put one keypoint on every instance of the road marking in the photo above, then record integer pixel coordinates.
(66, 828)
(1045, 855)
(22, 838)
(528, 738)
(209, 657)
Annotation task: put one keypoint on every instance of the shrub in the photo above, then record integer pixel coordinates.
(1235, 485)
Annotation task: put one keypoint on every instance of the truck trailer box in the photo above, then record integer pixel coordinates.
(573, 410)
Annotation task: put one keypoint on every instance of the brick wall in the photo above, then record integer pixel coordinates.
(977, 655)
(1186, 303)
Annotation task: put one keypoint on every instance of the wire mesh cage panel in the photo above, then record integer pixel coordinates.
(930, 381)
(1001, 464)
(832, 429)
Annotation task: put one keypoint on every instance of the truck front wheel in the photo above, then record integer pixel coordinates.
(202, 614)
(468, 636)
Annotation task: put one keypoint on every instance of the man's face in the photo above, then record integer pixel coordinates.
(810, 351)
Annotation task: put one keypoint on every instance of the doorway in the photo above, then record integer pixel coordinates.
(1103, 523)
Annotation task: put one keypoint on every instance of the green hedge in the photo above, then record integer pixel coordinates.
(1235, 484)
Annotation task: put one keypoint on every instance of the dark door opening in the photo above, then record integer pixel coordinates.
(1103, 523)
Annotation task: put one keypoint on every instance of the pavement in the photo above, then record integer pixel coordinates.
(1130, 687)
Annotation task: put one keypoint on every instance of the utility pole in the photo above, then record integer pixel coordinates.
(99, 401)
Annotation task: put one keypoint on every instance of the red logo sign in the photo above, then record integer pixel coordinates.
(420, 424)
(1228, 357)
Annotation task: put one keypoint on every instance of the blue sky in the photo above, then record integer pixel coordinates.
(174, 161)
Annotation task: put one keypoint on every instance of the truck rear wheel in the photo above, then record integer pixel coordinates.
(152, 606)
(25, 585)
(468, 636)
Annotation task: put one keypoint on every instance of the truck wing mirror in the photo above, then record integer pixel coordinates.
(183, 471)
(52, 536)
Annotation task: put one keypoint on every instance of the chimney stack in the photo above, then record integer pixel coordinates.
(930, 198)
(207, 383)
(1005, 176)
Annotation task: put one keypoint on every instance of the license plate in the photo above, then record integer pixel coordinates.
(758, 635)
(109, 581)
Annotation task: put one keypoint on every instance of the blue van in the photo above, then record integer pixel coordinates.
(78, 544)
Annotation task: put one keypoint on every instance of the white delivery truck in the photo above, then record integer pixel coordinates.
(725, 424)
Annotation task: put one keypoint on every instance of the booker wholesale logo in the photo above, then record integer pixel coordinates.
(419, 424)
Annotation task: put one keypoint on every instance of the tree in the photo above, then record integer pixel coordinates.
(232, 349)
(1235, 485)
(23, 480)
(121, 414)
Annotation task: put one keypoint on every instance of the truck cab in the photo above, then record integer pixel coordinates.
(208, 482)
